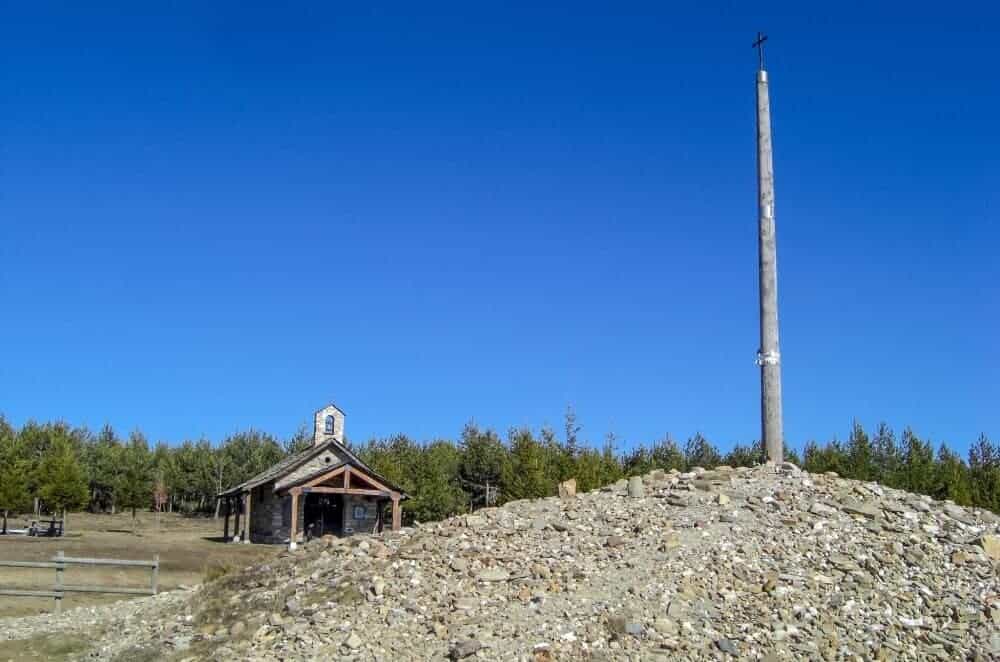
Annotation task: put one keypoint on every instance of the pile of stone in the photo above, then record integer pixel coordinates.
(766, 563)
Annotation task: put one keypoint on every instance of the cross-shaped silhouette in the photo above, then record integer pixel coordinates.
(759, 45)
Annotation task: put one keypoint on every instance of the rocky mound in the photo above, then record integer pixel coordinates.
(766, 563)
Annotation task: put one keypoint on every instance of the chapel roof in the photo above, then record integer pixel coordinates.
(293, 462)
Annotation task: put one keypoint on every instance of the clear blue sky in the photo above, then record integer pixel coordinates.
(217, 216)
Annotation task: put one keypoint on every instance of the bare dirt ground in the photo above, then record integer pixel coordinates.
(188, 548)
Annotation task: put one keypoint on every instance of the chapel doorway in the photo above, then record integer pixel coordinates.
(324, 514)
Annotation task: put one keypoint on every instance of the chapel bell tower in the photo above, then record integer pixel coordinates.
(329, 424)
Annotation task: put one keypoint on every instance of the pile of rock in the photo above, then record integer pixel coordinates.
(765, 563)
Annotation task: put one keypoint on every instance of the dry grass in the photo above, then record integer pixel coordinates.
(43, 647)
(190, 549)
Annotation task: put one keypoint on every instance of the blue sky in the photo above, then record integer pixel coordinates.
(221, 215)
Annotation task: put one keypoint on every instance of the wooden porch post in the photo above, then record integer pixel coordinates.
(246, 525)
(225, 524)
(237, 521)
(295, 518)
(397, 515)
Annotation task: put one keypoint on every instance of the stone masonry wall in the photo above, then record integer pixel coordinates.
(329, 459)
(270, 515)
(365, 524)
(319, 425)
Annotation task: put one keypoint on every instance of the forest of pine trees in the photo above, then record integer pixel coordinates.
(56, 467)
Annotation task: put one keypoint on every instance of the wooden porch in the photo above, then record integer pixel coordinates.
(342, 480)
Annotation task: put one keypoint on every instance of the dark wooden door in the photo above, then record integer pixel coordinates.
(324, 514)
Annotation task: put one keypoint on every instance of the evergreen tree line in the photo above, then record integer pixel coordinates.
(53, 467)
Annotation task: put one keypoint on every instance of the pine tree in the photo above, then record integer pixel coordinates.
(860, 464)
(213, 474)
(589, 470)
(790, 454)
(483, 462)
(183, 479)
(135, 483)
(667, 455)
(572, 429)
(638, 462)
(62, 482)
(105, 466)
(395, 458)
(526, 475)
(559, 458)
(918, 463)
(249, 453)
(300, 441)
(886, 457)
(984, 471)
(610, 465)
(436, 492)
(828, 457)
(164, 475)
(13, 473)
(952, 478)
(744, 456)
(699, 452)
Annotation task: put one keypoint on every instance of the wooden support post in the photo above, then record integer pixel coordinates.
(397, 514)
(347, 478)
(237, 522)
(155, 579)
(295, 519)
(59, 580)
(246, 515)
(225, 525)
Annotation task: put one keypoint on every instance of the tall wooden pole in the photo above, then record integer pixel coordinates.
(768, 356)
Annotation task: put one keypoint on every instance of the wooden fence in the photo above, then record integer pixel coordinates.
(59, 563)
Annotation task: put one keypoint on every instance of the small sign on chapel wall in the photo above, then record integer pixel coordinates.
(360, 512)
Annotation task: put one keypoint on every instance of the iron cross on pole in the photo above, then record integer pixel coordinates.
(759, 45)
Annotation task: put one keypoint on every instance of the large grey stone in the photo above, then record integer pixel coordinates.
(493, 575)
(464, 649)
(822, 509)
(855, 507)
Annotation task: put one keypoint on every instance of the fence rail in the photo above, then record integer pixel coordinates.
(60, 562)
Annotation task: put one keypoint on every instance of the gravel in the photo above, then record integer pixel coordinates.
(769, 563)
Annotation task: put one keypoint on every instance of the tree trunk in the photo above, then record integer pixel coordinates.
(5, 522)
(218, 502)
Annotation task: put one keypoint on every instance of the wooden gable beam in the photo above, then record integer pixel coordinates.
(368, 478)
(344, 490)
(348, 472)
(327, 476)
